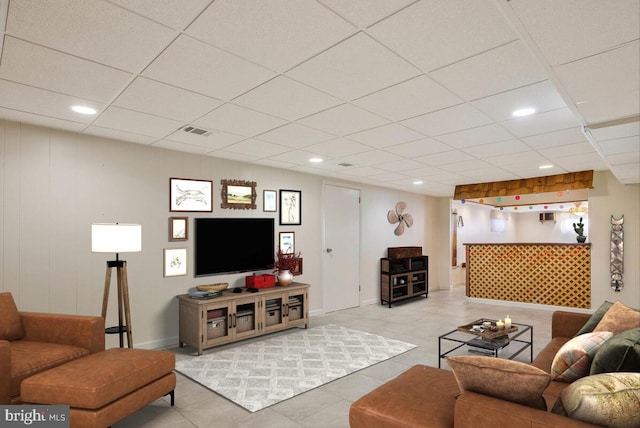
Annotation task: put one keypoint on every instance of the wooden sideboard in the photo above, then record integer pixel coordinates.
(237, 316)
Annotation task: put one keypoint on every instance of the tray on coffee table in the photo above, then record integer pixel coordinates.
(486, 333)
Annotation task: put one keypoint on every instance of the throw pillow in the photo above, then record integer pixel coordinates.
(619, 318)
(573, 359)
(621, 353)
(595, 318)
(505, 379)
(10, 322)
(607, 399)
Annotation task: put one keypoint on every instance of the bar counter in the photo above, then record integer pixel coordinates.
(541, 273)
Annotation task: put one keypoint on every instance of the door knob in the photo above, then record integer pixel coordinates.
(329, 250)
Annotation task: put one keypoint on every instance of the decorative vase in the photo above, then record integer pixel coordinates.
(581, 238)
(285, 277)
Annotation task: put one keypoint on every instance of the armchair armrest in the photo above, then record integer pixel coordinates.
(475, 410)
(77, 330)
(5, 372)
(567, 324)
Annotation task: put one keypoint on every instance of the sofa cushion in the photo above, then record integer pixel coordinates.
(505, 379)
(10, 322)
(619, 318)
(606, 399)
(573, 360)
(30, 358)
(621, 353)
(595, 318)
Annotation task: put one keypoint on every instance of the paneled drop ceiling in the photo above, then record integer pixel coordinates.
(385, 92)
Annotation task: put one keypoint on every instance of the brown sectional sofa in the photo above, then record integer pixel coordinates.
(429, 397)
(40, 342)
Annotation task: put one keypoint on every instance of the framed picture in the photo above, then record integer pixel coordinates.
(297, 270)
(175, 262)
(190, 195)
(291, 207)
(288, 242)
(178, 228)
(238, 194)
(269, 201)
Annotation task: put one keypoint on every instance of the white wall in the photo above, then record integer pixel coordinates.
(530, 229)
(54, 184)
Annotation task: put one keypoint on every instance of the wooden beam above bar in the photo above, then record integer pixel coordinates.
(525, 186)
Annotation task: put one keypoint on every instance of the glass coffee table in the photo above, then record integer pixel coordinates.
(504, 344)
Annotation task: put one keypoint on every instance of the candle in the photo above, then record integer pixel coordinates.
(507, 322)
(500, 325)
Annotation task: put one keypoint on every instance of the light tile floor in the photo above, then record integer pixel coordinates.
(418, 321)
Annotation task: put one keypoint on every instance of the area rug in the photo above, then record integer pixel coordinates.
(259, 374)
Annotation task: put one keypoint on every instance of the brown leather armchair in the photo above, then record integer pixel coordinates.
(33, 342)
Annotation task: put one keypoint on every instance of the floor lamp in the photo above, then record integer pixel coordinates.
(117, 238)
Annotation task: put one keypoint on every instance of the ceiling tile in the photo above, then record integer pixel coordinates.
(338, 147)
(92, 29)
(176, 14)
(445, 121)
(343, 120)
(407, 99)
(490, 174)
(567, 150)
(613, 107)
(286, 98)
(372, 157)
(136, 123)
(215, 141)
(501, 69)
(364, 171)
(585, 27)
(555, 138)
(23, 62)
(354, 68)
(541, 123)
(163, 100)
(421, 147)
(193, 65)
(116, 134)
(50, 122)
(276, 34)
(599, 76)
(181, 147)
(464, 166)
(625, 158)
(297, 157)
(620, 145)
(581, 162)
(387, 135)
(444, 158)
(540, 96)
(24, 98)
(513, 161)
(294, 135)
(401, 165)
(240, 157)
(239, 120)
(496, 149)
(475, 136)
(257, 148)
(423, 32)
(365, 12)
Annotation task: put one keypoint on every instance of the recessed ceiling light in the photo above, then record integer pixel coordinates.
(84, 110)
(546, 166)
(315, 160)
(523, 112)
(418, 182)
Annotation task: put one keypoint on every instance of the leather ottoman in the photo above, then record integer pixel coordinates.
(420, 397)
(105, 387)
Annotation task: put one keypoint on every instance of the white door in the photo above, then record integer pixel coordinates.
(341, 267)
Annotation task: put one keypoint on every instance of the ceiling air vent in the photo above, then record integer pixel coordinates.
(197, 131)
(345, 164)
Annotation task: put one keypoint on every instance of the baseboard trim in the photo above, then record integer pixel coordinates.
(527, 305)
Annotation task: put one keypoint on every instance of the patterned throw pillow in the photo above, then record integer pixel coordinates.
(573, 359)
(505, 379)
(607, 399)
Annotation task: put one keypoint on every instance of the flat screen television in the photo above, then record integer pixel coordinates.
(230, 245)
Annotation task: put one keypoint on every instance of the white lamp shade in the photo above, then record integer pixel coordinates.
(116, 238)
